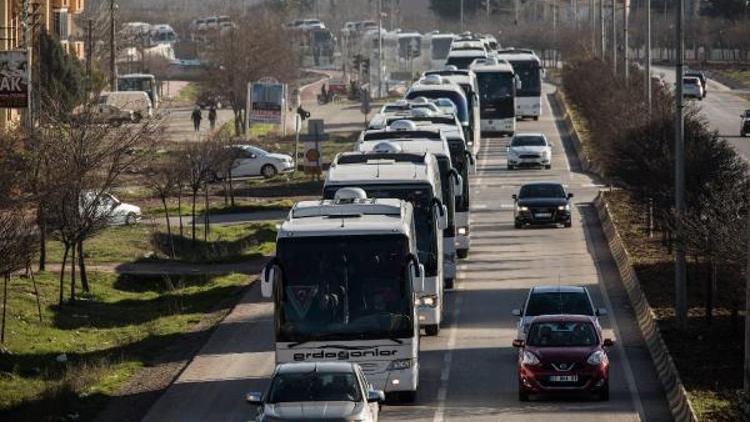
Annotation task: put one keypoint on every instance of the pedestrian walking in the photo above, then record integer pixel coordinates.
(212, 117)
(197, 117)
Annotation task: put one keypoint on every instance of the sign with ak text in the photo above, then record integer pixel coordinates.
(13, 79)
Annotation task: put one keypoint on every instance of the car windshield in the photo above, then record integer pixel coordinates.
(563, 303)
(562, 334)
(314, 386)
(444, 102)
(542, 191)
(528, 141)
(344, 287)
(691, 81)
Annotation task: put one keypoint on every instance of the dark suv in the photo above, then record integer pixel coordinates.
(542, 203)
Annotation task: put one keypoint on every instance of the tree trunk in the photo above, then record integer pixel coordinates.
(36, 292)
(62, 272)
(40, 222)
(206, 213)
(192, 220)
(231, 188)
(179, 208)
(6, 278)
(82, 268)
(73, 274)
(169, 226)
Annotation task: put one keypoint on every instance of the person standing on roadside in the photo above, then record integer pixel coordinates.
(212, 116)
(197, 117)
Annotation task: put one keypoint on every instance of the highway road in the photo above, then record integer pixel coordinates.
(469, 370)
(721, 108)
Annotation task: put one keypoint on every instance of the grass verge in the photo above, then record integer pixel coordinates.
(709, 356)
(126, 323)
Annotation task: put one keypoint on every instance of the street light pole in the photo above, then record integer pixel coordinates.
(614, 35)
(601, 29)
(112, 47)
(462, 15)
(680, 276)
(648, 55)
(625, 13)
(380, 49)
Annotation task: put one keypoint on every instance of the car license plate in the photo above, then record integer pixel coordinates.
(543, 215)
(563, 378)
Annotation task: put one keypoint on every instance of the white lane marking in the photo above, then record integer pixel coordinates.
(445, 374)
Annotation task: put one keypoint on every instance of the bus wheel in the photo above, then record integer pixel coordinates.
(432, 330)
(408, 396)
(462, 253)
(449, 283)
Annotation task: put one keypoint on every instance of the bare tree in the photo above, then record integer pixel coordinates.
(164, 177)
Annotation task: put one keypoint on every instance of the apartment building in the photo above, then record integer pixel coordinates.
(57, 16)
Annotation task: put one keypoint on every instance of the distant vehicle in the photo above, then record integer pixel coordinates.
(562, 354)
(434, 87)
(528, 68)
(116, 212)
(463, 58)
(135, 101)
(316, 392)
(113, 115)
(542, 203)
(253, 161)
(140, 82)
(162, 34)
(702, 77)
(745, 126)
(556, 300)
(497, 84)
(692, 88)
(470, 44)
(529, 149)
(437, 47)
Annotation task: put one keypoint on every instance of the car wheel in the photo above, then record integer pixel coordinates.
(569, 224)
(130, 219)
(523, 396)
(268, 171)
(536, 118)
(517, 225)
(449, 283)
(510, 167)
(432, 330)
(604, 392)
(462, 253)
(548, 166)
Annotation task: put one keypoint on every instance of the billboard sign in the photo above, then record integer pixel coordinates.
(267, 100)
(14, 86)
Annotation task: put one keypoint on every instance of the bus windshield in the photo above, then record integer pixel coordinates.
(459, 160)
(496, 91)
(344, 287)
(531, 78)
(441, 47)
(421, 198)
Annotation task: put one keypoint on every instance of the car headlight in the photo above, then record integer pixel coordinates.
(530, 359)
(522, 208)
(565, 207)
(430, 300)
(597, 358)
(462, 231)
(400, 364)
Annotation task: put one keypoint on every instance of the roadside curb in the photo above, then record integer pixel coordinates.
(679, 404)
(569, 127)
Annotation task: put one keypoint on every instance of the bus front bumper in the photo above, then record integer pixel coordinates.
(503, 126)
(396, 380)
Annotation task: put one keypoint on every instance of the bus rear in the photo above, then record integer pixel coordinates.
(528, 68)
(497, 99)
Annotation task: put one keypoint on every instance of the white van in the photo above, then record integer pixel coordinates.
(136, 101)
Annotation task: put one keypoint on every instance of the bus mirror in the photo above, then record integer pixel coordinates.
(458, 185)
(519, 84)
(418, 277)
(441, 215)
(267, 276)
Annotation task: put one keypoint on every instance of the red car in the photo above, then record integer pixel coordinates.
(563, 354)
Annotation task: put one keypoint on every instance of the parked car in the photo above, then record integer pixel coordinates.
(253, 161)
(563, 354)
(542, 203)
(692, 88)
(107, 205)
(745, 125)
(136, 101)
(113, 115)
(529, 149)
(701, 77)
(318, 391)
(553, 300)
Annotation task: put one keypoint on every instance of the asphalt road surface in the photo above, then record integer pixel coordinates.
(468, 372)
(721, 107)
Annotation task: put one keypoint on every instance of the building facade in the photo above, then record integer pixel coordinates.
(56, 16)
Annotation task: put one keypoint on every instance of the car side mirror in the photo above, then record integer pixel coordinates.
(516, 312)
(267, 276)
(254, 398)
(608, 342)
(570, 195)
(518, 343)
(601, 312)
(375, 396)
(515, 197)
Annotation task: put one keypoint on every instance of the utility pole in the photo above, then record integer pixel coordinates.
(680, 302)
(89, 45)
(746, 378)
(625, 16)
(112, 46)
(28, 43)
(515, 12)
(488, 7)
(380, 49)
(592, 26)
(462, 16)
(648, 55)
(601, 29)
(614, 35)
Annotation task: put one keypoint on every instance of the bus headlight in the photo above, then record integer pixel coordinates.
(430, 300)
(462, 231)
(400, 364)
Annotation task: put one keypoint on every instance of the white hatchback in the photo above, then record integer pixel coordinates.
(529, 149)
